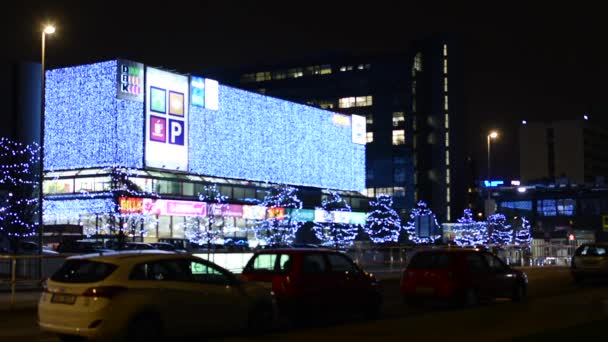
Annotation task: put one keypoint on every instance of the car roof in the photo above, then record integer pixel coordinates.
(118, 256)
(298, 250)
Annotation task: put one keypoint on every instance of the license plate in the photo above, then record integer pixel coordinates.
(424, 290)
(63, 298)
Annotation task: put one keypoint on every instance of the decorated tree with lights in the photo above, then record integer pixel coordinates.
(279, 228)
(523, 236)
(19, 189)
(335, 230)
(203, 231)
(383, 222)
(468, 231)
(499, 231)
(422, 227)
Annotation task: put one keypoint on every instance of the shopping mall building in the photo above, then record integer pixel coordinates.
(135, 147)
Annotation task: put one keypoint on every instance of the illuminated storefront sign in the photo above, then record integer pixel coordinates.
(341, 216)
(130, 205)
(358, 218)
(130, 82)
(254, 212)
(173, 208)
(166, 120)
(302, 215)
(226, 210)
(278, 213)
(359, 133)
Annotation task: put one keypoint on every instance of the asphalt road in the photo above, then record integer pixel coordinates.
(555, 308)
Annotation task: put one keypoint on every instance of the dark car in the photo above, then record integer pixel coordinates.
(460, 275)
(590, 261)
(310, 282)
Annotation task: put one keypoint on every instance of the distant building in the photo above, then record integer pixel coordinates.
(572, 151)
(414, 106)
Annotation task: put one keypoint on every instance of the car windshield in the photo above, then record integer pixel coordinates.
(83, 271)
(269, 263)
(431, 260)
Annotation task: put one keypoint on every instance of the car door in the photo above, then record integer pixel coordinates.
(501, 277)
(348, 285)
(220, 300)
(315, 283)
(480, 277)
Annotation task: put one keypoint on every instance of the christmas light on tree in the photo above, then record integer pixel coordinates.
(470, 232)
(383, 222)
(499, 232)
(206, 230)
(278, 228)
(523, 236)
(422, 226)
(333, 229)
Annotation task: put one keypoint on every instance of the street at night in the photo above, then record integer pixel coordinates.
(556, 308)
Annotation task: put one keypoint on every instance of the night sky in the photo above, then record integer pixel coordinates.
(536, 63)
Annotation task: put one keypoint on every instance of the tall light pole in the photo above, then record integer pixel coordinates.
(48, 29)
(491, 135)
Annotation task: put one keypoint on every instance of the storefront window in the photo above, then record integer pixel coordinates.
(188, 189)
(178, 226)
(164, 226)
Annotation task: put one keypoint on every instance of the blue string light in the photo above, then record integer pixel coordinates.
(280, 228)
(422, 210)
(383, 222)
(335, 233)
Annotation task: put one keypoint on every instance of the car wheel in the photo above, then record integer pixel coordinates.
(145, 327)
(470, 298)
(519, 293)
(71, 338)
(261, 319)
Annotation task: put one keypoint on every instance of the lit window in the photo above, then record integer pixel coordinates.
(398, 137)
(342, 68)
(279, 75)
(447, 121)
(346, 102)
(449, 214)
(399, 192)
(415, 178)
(447, 194)
(447, 176)
(445, 84)
(447, 139)
(385, 191)
(414, 124)
(416, 196)
(359, 101)
(326, 104)
(369, 119)
(398, 118)
(370, 137)
(262, 76)
(360, 66)
(445, 49)
(447, 157)
(445, 66)
(247, 78)
(295, 73)
(349, 68)
(445, 100)
(370, 192)
(325, 69)
(418, 62)
(262, 90)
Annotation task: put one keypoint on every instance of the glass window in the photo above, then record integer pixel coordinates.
(445, 66)
(83, 271)
(370, 137)
(370, 192)
(369, 119)
(476, 263)
(447, 121)
(188, 189)
(205, 273)
(343, 68)
(399, 175)
(445, 50)
(398, 137)
(279, 75)
(295, 73)
(165, 270)
(285, 263)
(385, 191)
(262, 263)
(325, 69)
(494, 263)
(445, 84)
(313, 263)
(358, 101)
(340, 263)
(399, 191)
(239, 193)
(566, 207)
(398, 118)
(546, 208)
(60, 186)
(418, 62)
(164, 226)
(447, 139)
(247, 78)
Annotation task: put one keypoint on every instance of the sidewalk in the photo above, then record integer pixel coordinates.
(24, 300)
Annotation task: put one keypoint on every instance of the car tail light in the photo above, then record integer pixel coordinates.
(104, 291)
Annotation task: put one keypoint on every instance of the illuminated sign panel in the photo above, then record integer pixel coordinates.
(359, 130)
(130, 81)
(492, 183)
(173, 208)
(197, 91)
(254, 212)
(130, 205)
(167, 107)
(212, 94)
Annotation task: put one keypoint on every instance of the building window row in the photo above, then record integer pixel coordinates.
(398, 137)
(398, 118)
(262, 76)
(398, 191)
(355, 67)
(369, 119)
(370, 137)
(355, 101)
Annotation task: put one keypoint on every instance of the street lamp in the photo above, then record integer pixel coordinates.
(48, 29)
(491, 135)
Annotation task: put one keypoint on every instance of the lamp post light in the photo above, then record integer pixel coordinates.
(48, 29)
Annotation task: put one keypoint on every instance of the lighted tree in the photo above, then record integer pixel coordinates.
(523, 236)
(19, 190)
(203, 231)
(468, 231)
(499, 232)
(422, 227)
(335, 230)
(279, 228)
(383, 222)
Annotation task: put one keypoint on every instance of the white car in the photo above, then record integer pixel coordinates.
(143, 295)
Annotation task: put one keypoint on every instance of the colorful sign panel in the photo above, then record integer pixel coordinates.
(254, 212)
(173, 208)
(166, 145)
(359, 131)
(302, 215)
(212, 94)
(277, 213)
(226, 210)
(197, 91)
(130, 205)
(130, 81)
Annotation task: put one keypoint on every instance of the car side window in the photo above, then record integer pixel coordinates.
(494, 263)
(205, 273)
(313, 263)
(476, 263)
(340, 263)
(165, 270)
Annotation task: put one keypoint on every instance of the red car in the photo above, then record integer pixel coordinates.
(312, 281)
(460, 275)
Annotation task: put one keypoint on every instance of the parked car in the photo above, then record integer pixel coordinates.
(164, 246)
(82, 247)
(27, 248)
(139, 246)
(460, 275)
(590, 261)
(310, 281)
(180, 244)
(144, 295)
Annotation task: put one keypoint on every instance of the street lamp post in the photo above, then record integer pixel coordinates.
(490, 136)
(49, 29)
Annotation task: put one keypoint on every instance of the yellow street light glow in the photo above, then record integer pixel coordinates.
(49, 29)
(493, 134)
